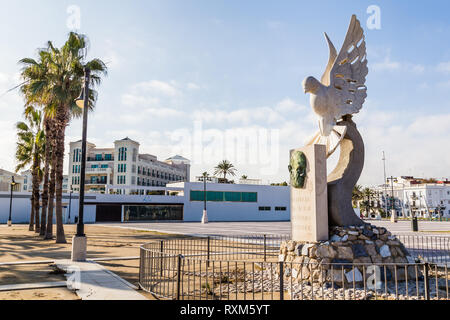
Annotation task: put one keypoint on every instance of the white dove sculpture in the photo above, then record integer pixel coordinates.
(341, 90)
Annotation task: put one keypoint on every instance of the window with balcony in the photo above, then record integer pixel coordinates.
(98, 157)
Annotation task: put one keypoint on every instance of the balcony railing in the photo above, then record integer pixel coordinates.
(98, 170)
(98, 159)
(95, 182)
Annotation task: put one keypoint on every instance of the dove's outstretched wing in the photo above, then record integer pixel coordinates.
(349, 71)
(325, 80)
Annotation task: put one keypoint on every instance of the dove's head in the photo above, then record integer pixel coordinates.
(311, 85)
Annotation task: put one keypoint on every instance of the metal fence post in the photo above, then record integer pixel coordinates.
(265, 242)
(209, 250)
(179, 276)
(426, 281)
(161, 250)
(141, 265)
(281, 280)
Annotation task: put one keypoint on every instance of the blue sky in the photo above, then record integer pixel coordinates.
(235, 67)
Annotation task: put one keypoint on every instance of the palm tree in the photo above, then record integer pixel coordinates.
(366, 195)
(225, 167)
(46, 178)
(29, 151)
(356, 195)
(34, 90)
(58, 87)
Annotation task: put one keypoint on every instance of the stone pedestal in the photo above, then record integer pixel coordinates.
(79, 248)
(309, 207)
(9, 223)
(349, 253)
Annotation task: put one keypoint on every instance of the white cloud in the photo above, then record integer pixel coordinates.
(164, 112)
(288, 105)
(414, 145)
(192, 86)
(158, 87)
(444, 67)
(386, 65)
(274, 24)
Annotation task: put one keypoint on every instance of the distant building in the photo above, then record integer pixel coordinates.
(209, 180)
(123, 170)
(182, 201)
(28, 182)
(416, 196)
(6, 178)
(250, 181)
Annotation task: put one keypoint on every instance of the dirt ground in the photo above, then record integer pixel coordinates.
(39, 294)
(19, 244)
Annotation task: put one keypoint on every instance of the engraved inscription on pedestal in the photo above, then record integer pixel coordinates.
(309, 207)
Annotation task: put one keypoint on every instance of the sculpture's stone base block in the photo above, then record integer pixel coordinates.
(337, 260)
(309, 210)
(79, 247)
(9, 223)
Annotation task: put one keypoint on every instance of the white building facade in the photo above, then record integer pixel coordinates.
(28, 182)
(414, 197)
(182, 201)
(122, 169)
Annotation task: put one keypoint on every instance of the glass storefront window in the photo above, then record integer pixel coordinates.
(153, 212)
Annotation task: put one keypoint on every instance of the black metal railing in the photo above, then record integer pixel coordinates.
(433, 249)
(247, 267)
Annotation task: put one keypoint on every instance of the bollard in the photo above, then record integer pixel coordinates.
(415, 226)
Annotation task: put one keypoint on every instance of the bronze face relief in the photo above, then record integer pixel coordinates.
(297, 169)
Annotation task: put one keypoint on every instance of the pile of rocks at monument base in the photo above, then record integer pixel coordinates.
(325, 261)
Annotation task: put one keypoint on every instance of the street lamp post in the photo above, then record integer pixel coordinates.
(384, 183)
(393, 212)
(79, 241)
(13, 183)
(205, 177)
(70, 202)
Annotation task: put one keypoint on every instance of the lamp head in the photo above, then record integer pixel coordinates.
(80, 100)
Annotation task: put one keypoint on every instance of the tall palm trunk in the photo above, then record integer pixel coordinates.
(62, 119)
(31, 226)
(47, 161)
(36, 196)
(51, 195)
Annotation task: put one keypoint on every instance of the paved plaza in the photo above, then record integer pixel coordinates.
(234, 228)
